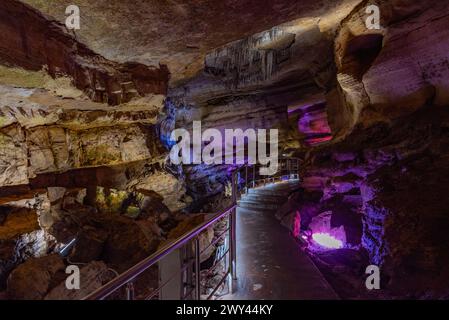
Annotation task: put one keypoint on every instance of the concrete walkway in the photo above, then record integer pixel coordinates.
(270, 264)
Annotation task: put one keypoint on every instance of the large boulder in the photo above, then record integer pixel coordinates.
(89, 245)
(92, 276)
(32, 279)
(17, 221)
(126, 243)
(171, 189)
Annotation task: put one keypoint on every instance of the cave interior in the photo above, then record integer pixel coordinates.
(86, 122)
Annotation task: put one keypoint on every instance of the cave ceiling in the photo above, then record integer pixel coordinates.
(180, 33)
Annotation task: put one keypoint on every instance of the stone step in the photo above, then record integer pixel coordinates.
(250, 209)
(277, 202)
(281, 191)
(284, 186)
(268, 198)
(258, 204)
(269, 192)
(264, 198)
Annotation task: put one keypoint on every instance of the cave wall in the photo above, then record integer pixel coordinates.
(386, 73)
(44, 137)
(33, 41)
(386, 165)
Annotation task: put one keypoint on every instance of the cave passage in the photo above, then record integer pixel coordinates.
(91, 177)
(270, 265)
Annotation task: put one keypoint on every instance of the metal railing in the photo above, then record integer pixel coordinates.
(190, 269)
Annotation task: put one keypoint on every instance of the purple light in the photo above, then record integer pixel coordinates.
(327, 241)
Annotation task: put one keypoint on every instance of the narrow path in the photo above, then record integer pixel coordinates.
(270, 264)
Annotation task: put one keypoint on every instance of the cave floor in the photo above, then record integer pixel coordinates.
(270, 264)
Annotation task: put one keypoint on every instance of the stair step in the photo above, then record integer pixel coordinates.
(268, 198)
(277, 201)
(285, 186)
(266, 191)
(258, 204)
(264, 198)
(282, 189)
(255, 209)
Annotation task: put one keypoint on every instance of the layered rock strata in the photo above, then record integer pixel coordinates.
(32, 41)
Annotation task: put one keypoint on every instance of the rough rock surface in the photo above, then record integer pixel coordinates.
(32, 279)
(127, 244)
(93, 276)
(20, 237)
(391, 185)
(46, 138)
(30, 40)
(17, 221)
(180, 34)
(390, 72)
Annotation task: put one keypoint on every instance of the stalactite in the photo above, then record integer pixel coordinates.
(248, 61)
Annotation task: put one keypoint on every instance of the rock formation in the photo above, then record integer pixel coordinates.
(31, 41)
(86, 118)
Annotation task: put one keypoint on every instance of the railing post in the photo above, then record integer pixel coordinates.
(297, 167)
(232, 236)
(130, 291)
(246, 178)
(232, 245)
(254, 176)
(197, 270)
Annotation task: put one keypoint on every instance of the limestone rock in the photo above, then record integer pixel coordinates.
(387, 73)
(18, 221)
(167, 186)
(31, 280)
(21, 226)
(8, 260)
(48, 43)
(126, 244)
(182, 51)
(92, 276)
(89, 245)
(85, 136)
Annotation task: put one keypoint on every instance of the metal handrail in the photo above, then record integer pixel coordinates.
(127, 277)
(143, 265)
